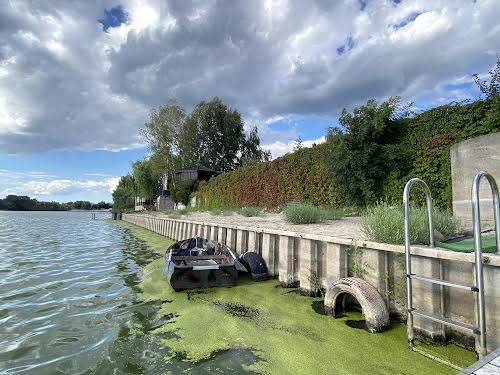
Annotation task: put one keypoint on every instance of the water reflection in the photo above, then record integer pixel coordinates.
(68, 302)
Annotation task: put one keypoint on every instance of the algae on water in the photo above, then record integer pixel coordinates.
(282, 329)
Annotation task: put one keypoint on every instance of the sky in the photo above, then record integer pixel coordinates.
(78, 78)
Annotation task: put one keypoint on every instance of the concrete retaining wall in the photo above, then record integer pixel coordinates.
(468, 158)
(294, 257)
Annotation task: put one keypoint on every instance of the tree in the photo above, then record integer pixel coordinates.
(367, 149)
(162, 135)
(251, 152)
(493, 88)
(298, 144)
(213, 135)
(147, 179)
(124, 194)
(182, 191)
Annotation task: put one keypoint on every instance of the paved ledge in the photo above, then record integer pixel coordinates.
(346, 231)
(489, 365)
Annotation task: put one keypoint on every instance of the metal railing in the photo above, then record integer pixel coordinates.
(476, 221)
(480, 329)
(406, 204)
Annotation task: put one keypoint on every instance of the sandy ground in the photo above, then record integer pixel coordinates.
(348, 227)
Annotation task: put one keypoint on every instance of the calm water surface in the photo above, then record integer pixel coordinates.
(68, 303)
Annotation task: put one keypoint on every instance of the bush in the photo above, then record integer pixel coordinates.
(181, 192)
(215, 211)
(250, 211)
(385, 223)
(332, 213)
(367, 148)
(227, 212)
(303, 214)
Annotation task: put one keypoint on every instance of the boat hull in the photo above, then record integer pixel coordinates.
(189, 278)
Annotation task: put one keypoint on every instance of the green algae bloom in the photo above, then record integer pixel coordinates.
(281, 327)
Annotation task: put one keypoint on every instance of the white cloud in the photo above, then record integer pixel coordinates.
(66, 84)
(61, 187)
(280, 148)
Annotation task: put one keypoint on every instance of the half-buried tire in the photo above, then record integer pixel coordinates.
(254, 264)
(371, 302)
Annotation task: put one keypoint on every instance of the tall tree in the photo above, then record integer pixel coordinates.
(251, 151)
(147, 179)
(161, 133)
(213, 135)
(124, 193)
(367, 148)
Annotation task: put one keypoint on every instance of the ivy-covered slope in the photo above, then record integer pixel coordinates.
(303, 175)
(299, 176)
(431, 135)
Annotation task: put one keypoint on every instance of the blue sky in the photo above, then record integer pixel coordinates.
(77, 79)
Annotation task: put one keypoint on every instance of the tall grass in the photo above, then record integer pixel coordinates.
(221, 211)
(302, 214)
(308, 214)
(250, 211)
(332, 213)
(385, 223)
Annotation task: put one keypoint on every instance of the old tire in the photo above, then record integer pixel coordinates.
(254, 264)
(372, 303)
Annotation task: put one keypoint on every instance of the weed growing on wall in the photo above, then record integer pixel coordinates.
(359, 268)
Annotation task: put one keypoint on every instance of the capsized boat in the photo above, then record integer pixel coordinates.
(201, 263)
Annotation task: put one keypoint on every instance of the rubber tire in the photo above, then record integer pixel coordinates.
(372, 303)
(254, 264)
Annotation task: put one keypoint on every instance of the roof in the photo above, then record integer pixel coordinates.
(196, 168)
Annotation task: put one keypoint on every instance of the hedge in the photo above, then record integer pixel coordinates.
(302, 175)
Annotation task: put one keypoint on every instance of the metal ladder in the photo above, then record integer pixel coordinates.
(480, 329)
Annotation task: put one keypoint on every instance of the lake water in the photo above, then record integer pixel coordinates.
(68, 300)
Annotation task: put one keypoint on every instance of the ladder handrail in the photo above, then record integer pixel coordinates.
(406, 204)
(476, 221)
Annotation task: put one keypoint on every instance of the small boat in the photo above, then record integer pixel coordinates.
(201, 263)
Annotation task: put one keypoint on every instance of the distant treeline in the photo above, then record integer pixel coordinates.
(24, 203)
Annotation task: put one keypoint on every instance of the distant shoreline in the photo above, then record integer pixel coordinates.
(104, 210)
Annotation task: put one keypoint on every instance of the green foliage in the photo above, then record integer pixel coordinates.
(423, 150)
(385, 223)
(213, 135)
(24, 203)
(303, 214)
(357, 266)
(215, 211)
(181, 192)
(332, 213)
(161, 133)
(493, 88)
(368, 149)
(147, 178)
(250, 211)
(124, 194)
(430, 136)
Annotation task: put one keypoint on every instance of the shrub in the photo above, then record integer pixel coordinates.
(303, 214)
(385, 223)
(332, 213)
(182, 191)
(250, 211)
(226, 212)
(174, 215)
(221, 211)
(215, 211)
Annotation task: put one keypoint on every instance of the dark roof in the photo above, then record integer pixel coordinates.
(195, 168)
